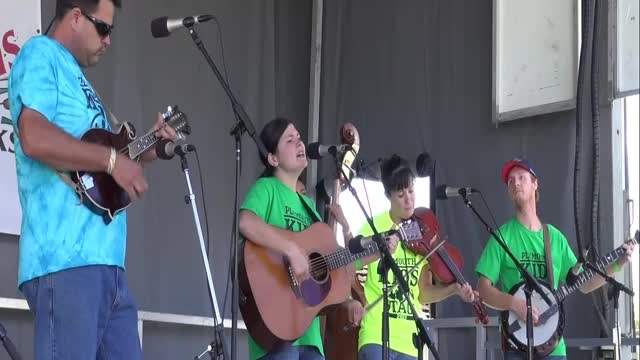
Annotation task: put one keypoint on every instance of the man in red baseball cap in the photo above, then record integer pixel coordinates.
(516, 162)
(525, 236)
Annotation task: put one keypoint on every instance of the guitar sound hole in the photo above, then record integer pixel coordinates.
(318, 267)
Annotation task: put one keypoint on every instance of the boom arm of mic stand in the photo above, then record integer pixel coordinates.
(531, 281)
(244, 122)
(610, 279)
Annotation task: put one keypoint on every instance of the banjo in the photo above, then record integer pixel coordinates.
(548, 332)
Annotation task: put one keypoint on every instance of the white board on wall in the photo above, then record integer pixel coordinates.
(19, 21)
(627, 49)
(535, 57)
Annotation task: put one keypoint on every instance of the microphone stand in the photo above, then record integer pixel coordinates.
(216, 348)
(613, 293)
(8, 345)
(243, 123)
(387, 263)
(531, 284)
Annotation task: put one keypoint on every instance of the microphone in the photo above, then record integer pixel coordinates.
(166, 149)
(163, 26)
(360, 243)
(444, 192)
(8, 345)
(316, 150)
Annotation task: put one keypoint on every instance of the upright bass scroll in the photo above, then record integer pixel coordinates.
(340, 344)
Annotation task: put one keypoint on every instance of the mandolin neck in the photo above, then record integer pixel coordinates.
(142, 144)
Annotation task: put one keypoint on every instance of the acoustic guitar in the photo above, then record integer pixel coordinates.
(276, 306)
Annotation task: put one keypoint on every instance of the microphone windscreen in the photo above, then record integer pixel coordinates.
(441, 192)
(164, 149)
(313, 151)
(354, 245)
(159, 27)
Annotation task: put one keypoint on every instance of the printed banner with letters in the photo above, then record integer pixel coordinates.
(19, 20)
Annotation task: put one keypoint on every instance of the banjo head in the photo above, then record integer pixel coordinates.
(546, 333)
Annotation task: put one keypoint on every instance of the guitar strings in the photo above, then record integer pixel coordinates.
(317, 266)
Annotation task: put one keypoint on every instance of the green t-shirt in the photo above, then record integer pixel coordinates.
(528, 247)
(401, 323)
(281, 207)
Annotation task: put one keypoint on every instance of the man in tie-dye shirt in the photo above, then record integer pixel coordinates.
(71, 267)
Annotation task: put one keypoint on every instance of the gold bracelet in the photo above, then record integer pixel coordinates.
(112, 161)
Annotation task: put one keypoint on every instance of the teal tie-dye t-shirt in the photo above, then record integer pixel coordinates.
(57, 232)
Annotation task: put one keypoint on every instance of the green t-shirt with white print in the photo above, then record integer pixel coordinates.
(279, 206)
(528, 247)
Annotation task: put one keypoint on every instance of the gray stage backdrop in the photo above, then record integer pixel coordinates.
(412, 75)
(416, 76)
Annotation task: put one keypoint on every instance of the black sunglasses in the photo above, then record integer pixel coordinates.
(102, 27)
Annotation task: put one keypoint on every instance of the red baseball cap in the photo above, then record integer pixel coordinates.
(516, 162)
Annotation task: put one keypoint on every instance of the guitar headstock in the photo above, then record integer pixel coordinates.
(635, 239)
(177, 120)
(410, 231)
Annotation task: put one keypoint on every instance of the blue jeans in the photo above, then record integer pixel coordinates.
(374, 352)
(83, 313)
(294, 353)
(517, 355)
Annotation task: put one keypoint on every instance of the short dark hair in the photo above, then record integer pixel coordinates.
(270, 136)
(88, 6)
(396, 174)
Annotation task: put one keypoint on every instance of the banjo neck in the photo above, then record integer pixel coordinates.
(601, 264)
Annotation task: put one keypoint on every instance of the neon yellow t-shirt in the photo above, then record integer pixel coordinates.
(401, 323)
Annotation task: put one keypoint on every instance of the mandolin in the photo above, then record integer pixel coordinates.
(98, 190)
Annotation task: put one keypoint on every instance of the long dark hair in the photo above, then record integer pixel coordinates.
(396, 174)
(270, 136)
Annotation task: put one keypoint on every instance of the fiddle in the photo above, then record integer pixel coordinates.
(445, 262)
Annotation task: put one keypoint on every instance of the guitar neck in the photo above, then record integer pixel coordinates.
(141, 144)
(343, 257)
(588, 273)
